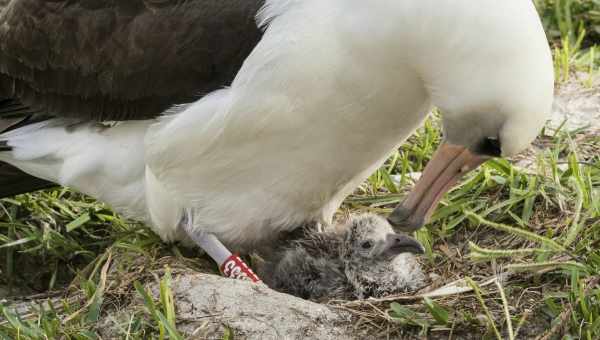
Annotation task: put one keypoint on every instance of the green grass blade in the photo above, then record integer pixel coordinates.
(519, 232)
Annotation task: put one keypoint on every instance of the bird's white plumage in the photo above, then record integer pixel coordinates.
(104, 162)
(332, 88)
(291, 137)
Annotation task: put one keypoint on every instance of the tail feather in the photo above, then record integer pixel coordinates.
(103, 161)
(14, 115)
(4, 146)
(14, 181)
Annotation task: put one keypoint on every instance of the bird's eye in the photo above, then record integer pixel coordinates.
(490, 146)
(366, 245)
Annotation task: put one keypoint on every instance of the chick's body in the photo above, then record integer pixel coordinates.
(360, 258)
(310, 269)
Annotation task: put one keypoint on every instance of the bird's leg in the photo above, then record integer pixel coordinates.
(231, 265)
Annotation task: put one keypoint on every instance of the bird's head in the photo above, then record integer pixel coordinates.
(377, 261)
(370, 238)
(490, 73)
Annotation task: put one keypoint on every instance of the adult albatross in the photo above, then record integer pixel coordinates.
(314, 103)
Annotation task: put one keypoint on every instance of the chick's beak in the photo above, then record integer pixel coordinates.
(396, 244)
(448, 165)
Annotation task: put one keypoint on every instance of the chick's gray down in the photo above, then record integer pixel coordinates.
(359, 258)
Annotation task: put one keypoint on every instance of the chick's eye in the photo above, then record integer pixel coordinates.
(366, 245)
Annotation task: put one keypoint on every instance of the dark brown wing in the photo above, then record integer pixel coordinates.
(113, 60)
(121, 59)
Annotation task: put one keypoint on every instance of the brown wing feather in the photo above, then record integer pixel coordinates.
(121, 59)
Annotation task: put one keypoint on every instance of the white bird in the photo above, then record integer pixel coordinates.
(326, 94)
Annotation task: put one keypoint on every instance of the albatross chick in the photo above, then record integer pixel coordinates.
(360, 258)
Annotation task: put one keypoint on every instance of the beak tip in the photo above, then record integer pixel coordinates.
(403, 220)
(416, 248)
(420, 250)
(400, 244)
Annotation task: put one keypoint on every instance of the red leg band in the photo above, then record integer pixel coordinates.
(235, 268)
